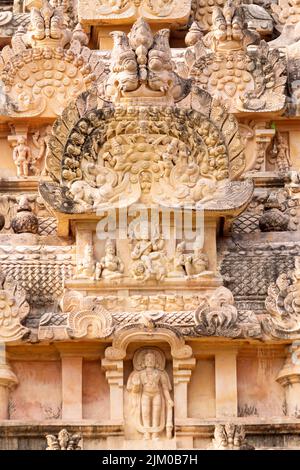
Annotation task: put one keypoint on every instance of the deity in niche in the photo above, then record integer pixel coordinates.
(22, 157)
(149, 388)
(110, 266)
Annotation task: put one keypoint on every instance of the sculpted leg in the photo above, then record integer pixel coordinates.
(146, 413)
(156, 413)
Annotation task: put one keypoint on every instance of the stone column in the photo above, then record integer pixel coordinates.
(115, 379)
(289, 378)
(7, 380)
(182, 371)
(71, 387)
(226, 384)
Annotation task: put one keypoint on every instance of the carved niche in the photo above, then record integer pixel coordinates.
(99, 12)
(40, 76)
(247, 79)
(127, 150)
(149, 388)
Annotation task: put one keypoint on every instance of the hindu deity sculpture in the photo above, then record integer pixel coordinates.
(149, 387)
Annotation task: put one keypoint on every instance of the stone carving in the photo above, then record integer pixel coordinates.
(149, 387)
(126, 12)
(230, 436)
(64, 441)
(87, 318)
(13, 309)
(134, 164)
(142, 69)
(255, 15)
(282, 303)
(149, 259)
(25, 221)
(39, 270)
(285, 12)
(110, 266)
(191, 264)
(38, 74)
(86, 269)
(273, 219)
(248, 80)
(280, 153)
(22, 157)
(217, 315)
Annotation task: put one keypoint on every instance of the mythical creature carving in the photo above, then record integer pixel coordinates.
(149, 387)
(248, 80)
(127, 11)
(13, 309)
(142, 67)
(39, 75)
(64, 441)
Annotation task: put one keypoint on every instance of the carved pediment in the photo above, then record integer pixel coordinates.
(248, 80)
(40, 76)
(113, 154)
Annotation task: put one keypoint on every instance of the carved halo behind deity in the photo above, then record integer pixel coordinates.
(140, 354)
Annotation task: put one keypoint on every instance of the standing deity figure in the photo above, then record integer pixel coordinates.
(149, 387)
(110, 266)
(22, 157)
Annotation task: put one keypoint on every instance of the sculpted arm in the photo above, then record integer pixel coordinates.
(166, 386)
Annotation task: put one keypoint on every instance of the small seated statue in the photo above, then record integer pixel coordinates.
(110, 266)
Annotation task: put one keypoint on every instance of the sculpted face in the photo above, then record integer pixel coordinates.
(150, 360)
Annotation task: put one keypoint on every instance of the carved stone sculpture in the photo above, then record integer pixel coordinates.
(64, 441)
(222, 65)
(110, 266)
(22, 157)
(13, 309)
(149, 388)
(24, 221)
(282, 303)
(126, 12)
(230, 436)
(87, 266)
(273, 219)
(40, 74)
(149, 259)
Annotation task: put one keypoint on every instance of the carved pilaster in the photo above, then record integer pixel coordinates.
(7, 380)
(289, 378)
(263, 139)
(182, 372)
(114, 376)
